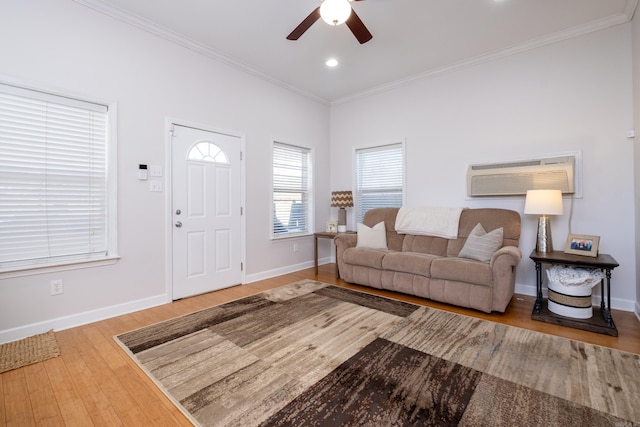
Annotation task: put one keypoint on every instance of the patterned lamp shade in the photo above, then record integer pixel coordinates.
(341, 199)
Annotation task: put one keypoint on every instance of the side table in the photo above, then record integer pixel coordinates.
(325, 235)
(601, 321)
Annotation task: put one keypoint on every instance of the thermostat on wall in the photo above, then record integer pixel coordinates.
(143, 174)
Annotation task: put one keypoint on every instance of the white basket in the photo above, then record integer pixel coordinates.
(570, 290)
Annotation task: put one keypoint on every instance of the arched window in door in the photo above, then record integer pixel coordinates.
(207, 152)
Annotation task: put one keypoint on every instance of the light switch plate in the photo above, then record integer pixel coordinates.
(155, 170)
(155, 185)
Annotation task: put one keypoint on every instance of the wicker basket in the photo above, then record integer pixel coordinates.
(570, 291)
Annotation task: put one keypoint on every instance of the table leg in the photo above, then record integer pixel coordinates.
(602, 296)
(607, 312)
(537, 308)
(337, 266)
(315, 253)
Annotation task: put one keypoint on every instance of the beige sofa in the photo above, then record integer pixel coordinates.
(429, 267)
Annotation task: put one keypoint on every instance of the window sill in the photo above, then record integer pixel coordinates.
(54, 268)
(284, 236)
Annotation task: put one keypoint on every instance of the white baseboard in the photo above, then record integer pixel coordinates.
(66, 322)
(525, 289)
(264, 275)
(91, 316)
(79, 319)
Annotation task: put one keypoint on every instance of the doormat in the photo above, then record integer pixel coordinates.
(16, 354)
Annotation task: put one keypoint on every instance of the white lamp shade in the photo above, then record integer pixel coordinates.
(543, 202)
(335, 12)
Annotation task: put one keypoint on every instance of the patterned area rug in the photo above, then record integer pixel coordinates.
(16, 354)
(315, 354)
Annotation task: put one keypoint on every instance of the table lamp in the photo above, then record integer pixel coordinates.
(342, 200)
(543, 202)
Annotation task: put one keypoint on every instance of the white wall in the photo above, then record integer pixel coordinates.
(571, 95)
(574, 95)
(63, 46)
(636, 122)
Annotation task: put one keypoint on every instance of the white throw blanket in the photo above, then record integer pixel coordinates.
(429, 221)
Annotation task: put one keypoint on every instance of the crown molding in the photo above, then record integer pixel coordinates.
(171, 36)
(570, 33)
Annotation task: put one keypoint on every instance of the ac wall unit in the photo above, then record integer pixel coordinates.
(515, 178)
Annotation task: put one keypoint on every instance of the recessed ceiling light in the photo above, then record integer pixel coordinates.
(333, 62)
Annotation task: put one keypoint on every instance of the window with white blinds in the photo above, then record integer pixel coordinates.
(53, 179)
(291, 190)
(379, 178)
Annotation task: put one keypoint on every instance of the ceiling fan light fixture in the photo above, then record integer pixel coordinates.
(335, 12)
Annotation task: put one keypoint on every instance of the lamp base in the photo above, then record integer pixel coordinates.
(342, 220)
(543, 241)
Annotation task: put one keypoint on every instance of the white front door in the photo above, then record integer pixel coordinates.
(206, 203)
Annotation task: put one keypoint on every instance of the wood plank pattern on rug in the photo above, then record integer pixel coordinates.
(284, 355)
(385, 384)
(593, 376)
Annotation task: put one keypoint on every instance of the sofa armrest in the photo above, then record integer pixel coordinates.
(344, 242)
(503, 265)
(509, 254)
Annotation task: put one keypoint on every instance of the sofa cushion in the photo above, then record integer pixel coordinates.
(480, 245)
(365, 257)
(425, 244)
(409, 262)
(372, 237)
(388, 215)
(461, 270)
(490, 218)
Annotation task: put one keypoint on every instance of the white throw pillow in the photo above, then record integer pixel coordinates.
(372, 237)
(480, 245)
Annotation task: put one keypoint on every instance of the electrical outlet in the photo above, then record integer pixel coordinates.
(57, 287)
(295, 247)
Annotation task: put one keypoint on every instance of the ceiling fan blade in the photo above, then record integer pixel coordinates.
(358, 28)
(305, 24)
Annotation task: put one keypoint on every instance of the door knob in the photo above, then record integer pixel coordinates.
(178, 224)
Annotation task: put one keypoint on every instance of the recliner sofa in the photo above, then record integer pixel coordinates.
(429, 267)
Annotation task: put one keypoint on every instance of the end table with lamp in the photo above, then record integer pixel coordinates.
(601, 321)
(549, 202)
(325, 235)
(342, 200)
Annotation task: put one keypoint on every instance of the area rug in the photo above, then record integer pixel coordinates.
(37, 348)
(320, 355)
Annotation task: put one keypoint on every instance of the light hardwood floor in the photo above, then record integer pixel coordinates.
(94, 382)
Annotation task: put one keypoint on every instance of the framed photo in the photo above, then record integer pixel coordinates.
(581, 244)
(332, 227)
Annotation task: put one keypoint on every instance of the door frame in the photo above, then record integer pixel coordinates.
(168, 206)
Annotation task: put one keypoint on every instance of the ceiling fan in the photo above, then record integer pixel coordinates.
(334, 12)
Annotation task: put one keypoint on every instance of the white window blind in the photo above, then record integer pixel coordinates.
(291, 190)
(379, 178)
(53, 179)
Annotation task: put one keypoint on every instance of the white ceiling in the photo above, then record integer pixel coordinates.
(411, 38)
